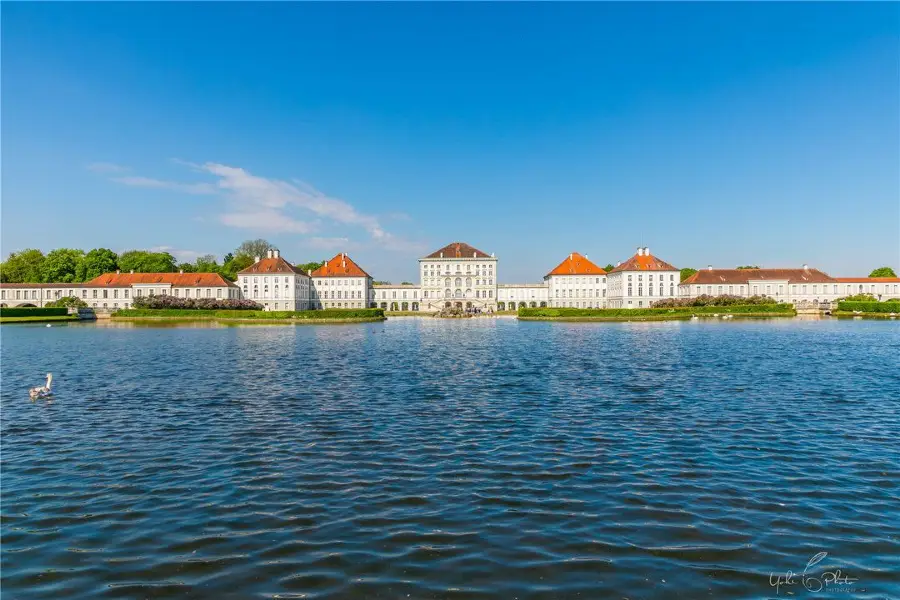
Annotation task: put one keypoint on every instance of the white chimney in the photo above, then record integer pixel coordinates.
(326, 264)
(806, 267)
(118, 272)
(709, 267)
(442, 255)
(181, 271)
(646, 251)
(570, 256)
(640, 251)
(132, 271)
(255, 259)
(275, 253)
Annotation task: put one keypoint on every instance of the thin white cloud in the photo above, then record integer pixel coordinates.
(179, 254)
(272, 205)
(147, 182)
(331, 243)
(105, 167)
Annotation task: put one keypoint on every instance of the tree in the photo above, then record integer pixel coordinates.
(237, 264)
(883, 272)
(68, 301)
(142, 261)
(227, 258)
(60, 265)
(747, 267)
(95, 263)
(187, 267)
(22, 267)
(253, 248)
(381, 283)
(206, 264)
(687, 272)
(608, 268)
(310, 266)
(405, 283)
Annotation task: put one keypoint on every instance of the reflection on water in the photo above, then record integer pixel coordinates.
(466, 458)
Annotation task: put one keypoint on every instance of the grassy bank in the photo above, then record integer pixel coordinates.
(869, 307)
(38, 319)
(865, 315)
(283, 316)
(653, 314)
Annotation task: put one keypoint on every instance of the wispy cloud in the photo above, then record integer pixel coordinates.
(105, 167)
(331, 243)
(278, 206)
(187, 188)
(179, 254)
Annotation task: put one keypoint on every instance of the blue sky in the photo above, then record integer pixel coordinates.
(714, 133)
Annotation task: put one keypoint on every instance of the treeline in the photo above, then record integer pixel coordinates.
(70, 265)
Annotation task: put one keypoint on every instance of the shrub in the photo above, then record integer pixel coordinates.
(68, 301)
(18, 311)
(172, 302)
(869, 307)
(859, 298)
(336, 313)
(724, 300)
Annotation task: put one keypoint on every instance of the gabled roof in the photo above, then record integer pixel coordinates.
(271, 266)
(339, 266)
(742, 276)
(458, 250)
(868, 279)
(576, 264)
(644, 261)
(173, 279)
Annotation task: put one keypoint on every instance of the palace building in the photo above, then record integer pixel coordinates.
(641, 280)
(275, 283)
(458, 276)
(341, 283)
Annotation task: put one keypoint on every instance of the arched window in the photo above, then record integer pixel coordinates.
(468, 293)
(446, 293)
(468, 282)
(458, 281)
(458, 293)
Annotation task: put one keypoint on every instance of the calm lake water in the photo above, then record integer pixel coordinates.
(426, 458)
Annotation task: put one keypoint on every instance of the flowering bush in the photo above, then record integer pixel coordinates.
(194, 303)
(724, 300)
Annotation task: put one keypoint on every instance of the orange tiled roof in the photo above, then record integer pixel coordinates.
(576, 264)
(458, 250)
(644, 262)
(271, 265)
(741, 276)
(868, 279)
(339, 266)
(173, 279)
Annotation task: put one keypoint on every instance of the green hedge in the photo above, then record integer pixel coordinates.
(33, 312)
(331, 313)
(654, 312)
(870, 307)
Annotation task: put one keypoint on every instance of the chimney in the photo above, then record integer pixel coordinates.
(326, 264)
(181, 271)
(709, 267)
(442, 255)
(806, 267)
(132, 271)
(570, 256)
(646, 251)
(118, 272)
(618, 262)
(256, 259)
(640, 251)
(275, 253)
(269, 253)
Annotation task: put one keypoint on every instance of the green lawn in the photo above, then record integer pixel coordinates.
(38, 319)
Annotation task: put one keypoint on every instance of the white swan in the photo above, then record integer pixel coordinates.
(43, 391)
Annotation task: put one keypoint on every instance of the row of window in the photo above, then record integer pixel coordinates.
(576, 280)
(580, 293)
(640, 290)
(662, 276)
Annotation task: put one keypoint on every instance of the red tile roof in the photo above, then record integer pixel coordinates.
(270, 265)
(173, 279)
(458, 250)
(742, 276)
(339, 266)
(868, 279)
(644, 262)
(576, 264)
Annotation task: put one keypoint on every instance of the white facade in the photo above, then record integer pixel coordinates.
(340, 283)
(395, 297)
(641, 281)
(882, 288)
(275, 283)
(458, 276)
(511, 296)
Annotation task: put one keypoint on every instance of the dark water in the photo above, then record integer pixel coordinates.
(452, 459)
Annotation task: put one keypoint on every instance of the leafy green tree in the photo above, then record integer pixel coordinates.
(405, 283)
(747, 267)
(187, 267)
(381, 283)
(227, 258)
(237, 264)
(95, 263)
(22, 267)
(687, 272)
(207, 264)
(68, 301)
(883, 272)
(253, 248)
(310, 266)
(61, 265)
(608, 268)
(142, 261)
